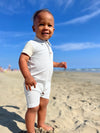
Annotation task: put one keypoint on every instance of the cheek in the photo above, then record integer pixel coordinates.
(52, 31)
(40, 29)
(37, 30)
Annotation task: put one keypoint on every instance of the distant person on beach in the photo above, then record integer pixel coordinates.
(36, 64)
(1, 69)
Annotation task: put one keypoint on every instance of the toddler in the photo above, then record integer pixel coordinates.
(36, 64)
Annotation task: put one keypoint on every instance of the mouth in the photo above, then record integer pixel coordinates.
(45, 33)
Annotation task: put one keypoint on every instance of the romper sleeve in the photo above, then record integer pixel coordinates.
(28, 49)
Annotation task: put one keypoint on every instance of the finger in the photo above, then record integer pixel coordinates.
(26, 87)
(34, 85)
(65, 65)
(30, 87)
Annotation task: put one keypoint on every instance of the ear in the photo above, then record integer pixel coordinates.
(33, 27)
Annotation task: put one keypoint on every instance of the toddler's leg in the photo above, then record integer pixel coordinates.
(30, 119)
(42, 114)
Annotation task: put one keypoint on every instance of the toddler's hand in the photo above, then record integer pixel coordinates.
(30, 81)
(63, 65)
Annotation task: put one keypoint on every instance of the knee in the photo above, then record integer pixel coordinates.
(35, 109)
(44, 103)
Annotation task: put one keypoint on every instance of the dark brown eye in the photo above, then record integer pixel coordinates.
(41, 24)
(49, 25)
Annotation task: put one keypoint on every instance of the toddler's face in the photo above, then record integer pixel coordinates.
(44, 25)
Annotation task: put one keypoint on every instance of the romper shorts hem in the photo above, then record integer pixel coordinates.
(42, 90)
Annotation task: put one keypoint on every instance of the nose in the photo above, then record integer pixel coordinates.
(45, 26)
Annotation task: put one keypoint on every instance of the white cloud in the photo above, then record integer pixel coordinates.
(11, 6)
(69, 2)
(94, 5)
(92, 9)
(8, 34)
(76, 46)
(18, 6)
(6, 38)
(64, 3)
(81, 19)
(11, 46)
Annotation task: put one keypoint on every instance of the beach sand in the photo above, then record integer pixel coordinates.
(74, 105)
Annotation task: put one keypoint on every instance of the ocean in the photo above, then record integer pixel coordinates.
(94, 70)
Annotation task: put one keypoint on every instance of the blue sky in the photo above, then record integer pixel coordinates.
(76, 39)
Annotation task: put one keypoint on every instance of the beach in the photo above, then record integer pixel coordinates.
(74, 105)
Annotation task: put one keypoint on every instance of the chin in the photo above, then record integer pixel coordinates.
(45, 38)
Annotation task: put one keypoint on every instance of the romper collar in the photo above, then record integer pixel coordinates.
(41, 41)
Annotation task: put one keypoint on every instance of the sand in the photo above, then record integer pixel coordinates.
(74, 105)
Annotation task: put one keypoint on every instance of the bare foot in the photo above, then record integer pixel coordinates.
(46, 127)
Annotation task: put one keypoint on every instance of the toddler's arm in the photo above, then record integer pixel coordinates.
(29, 80)
(60, 64)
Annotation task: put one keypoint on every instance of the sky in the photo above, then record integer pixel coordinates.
(76, 38)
